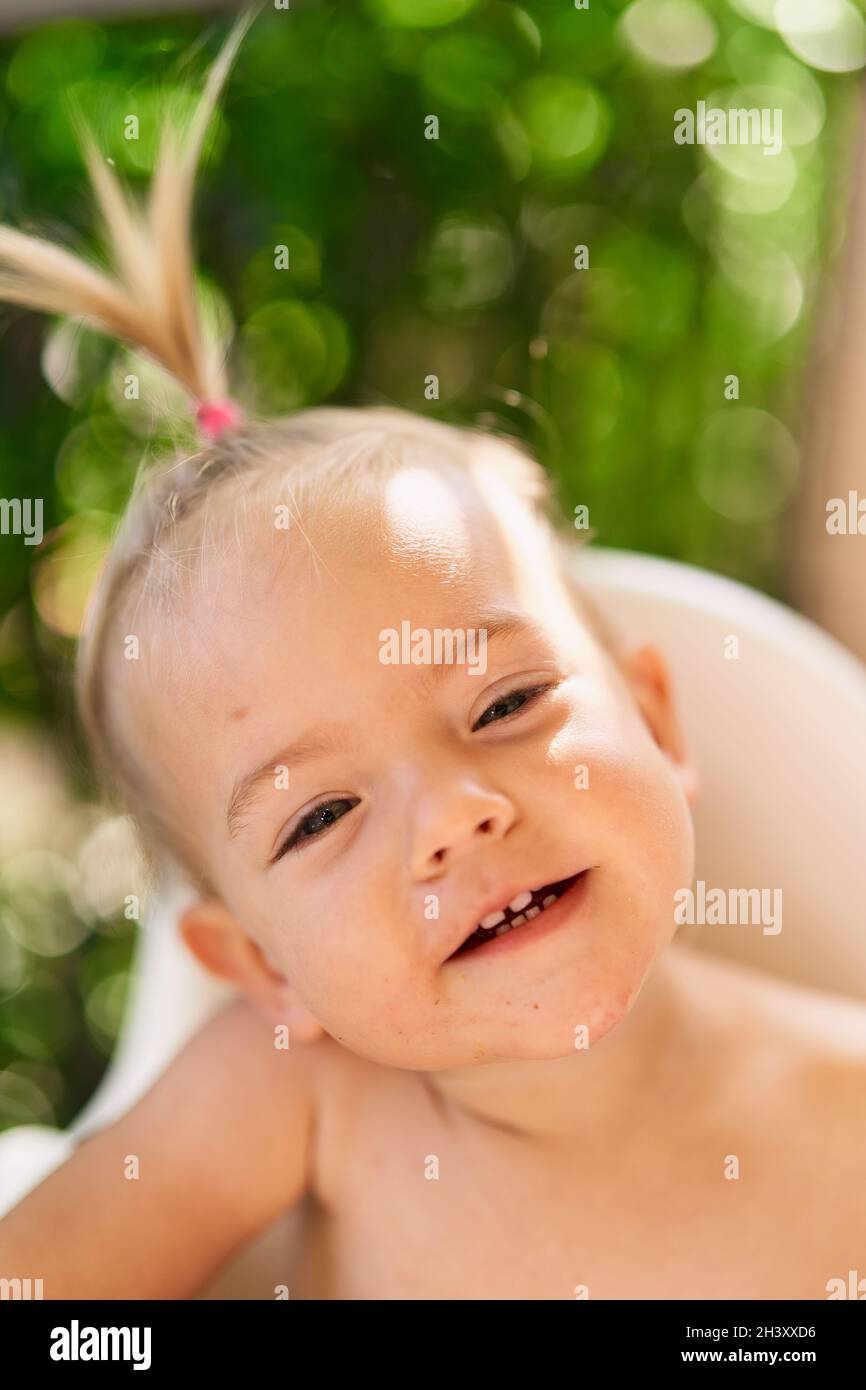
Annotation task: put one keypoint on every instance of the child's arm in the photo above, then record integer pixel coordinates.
(223, 1143)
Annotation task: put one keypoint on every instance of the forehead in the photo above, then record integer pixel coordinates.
(425, 543)
(279, 625)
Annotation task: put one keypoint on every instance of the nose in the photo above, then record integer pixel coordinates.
(454, 822)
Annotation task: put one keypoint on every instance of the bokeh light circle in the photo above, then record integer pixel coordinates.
(826, 34)
(747, 464)
(669, 33)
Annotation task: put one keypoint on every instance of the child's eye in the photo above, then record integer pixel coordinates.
(315, 823)
(328, 812)
(509, 704)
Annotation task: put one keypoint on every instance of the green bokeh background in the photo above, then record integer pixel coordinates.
(407, 257)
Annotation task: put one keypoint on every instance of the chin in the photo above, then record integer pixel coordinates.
(591, 1000)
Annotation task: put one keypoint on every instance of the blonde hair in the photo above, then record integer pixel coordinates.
(149, 302)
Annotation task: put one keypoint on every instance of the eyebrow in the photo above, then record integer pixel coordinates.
(318, 743)
(504, 623)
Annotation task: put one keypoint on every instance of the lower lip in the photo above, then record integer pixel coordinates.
(534, 930)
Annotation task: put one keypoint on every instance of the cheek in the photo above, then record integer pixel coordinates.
(349, 955)
(332, 946)
(363, 998)
(648, 825)
(627, 798)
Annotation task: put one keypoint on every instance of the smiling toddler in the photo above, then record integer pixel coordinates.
(466, 1044)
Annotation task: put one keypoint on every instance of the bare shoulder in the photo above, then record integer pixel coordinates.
(797, 1070)
(824, 1037)
(240, 1047)
(216, 1150)
(314, 1093)
(254, 1098)
(793, 1022)
(809, 1031)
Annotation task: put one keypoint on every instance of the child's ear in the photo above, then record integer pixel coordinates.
(648, 677)
(219, 943)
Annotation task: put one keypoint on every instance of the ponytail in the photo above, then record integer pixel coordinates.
(147, 297)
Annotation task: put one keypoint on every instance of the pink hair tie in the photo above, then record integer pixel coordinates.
(215, 416)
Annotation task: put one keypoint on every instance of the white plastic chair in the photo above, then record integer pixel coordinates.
(778, 735)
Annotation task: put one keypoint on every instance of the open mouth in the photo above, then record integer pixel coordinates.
(525, 907)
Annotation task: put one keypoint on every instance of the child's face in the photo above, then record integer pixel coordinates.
(419, 798)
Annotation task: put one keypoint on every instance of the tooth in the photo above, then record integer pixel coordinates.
(516, 921)
(532, 912)
(492, 920)
(520, 902)
(506, 926)
(551, 898)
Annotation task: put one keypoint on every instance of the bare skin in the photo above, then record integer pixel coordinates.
(235, 1135)
(553, 1115)
(769, 1073)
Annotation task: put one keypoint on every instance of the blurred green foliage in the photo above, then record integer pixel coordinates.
(408, 257)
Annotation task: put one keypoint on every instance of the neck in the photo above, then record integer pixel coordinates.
(592, 1094)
